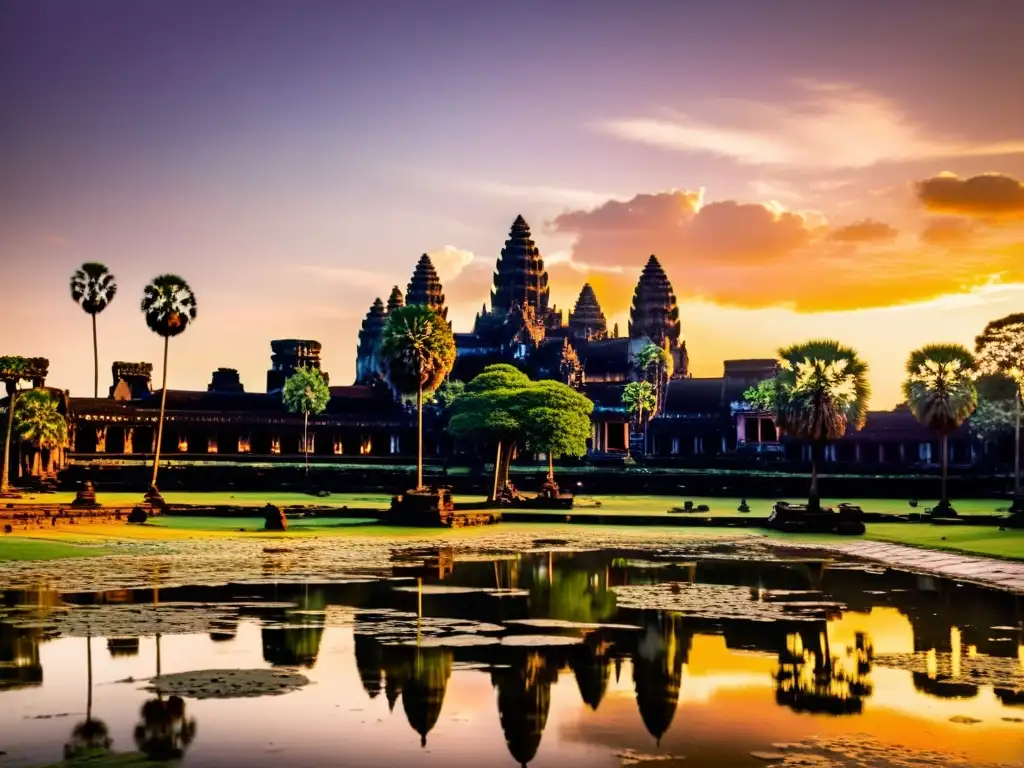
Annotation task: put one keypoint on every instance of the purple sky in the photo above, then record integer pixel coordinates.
(293, 159)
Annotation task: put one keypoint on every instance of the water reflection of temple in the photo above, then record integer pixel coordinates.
(823, 665)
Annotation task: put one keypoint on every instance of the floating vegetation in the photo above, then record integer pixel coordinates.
(997, 671)
(861, 751)
(538, 641)
(718, 601)
(228, 683)
(560, 624)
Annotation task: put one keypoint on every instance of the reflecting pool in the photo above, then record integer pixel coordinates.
(545, 657)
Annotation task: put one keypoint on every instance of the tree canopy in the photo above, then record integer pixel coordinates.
(417, 349)
(93, 287)
(821, 389)
(939, 388)
(761, 396)
(1000, 349)
(306, 391)
(169, 305)
(640, 400)
(555, 418)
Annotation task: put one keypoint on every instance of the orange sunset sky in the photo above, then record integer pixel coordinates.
(850, 171)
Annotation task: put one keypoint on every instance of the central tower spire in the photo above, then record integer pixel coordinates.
(520, 278)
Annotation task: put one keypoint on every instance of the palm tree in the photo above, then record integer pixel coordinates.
(417, 352)
(640, 400)
(657, 366)
(306, 392)
(91, 735)
(821, 390)
(13, 369)
(40, 422)
(1000, 350)
(169, 306)
(93, 288)
(941, 394)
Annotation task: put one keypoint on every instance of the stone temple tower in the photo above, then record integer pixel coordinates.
(654, 313)
(520, 279)
(425, 287)
(395, 300)
(367, 365)
(587, 321)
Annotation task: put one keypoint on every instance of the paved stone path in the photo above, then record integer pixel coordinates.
(987, 571)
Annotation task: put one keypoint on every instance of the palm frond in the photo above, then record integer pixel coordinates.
(93, 287)
(417, 349)
(940, 388)
(169, 305)
(821, 389)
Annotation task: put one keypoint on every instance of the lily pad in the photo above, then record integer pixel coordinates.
(228, 683)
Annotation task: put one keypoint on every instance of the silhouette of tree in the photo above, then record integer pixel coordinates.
(93, 287)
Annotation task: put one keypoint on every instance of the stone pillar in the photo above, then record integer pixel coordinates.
(856, 452)
(881, 453)
(725, 445)
(759, 437)
(696, 445)
(129, 439)
(903, 453)
(152, 439)
(741, 427)
(394, 446)
(101, 439)
(604, 438)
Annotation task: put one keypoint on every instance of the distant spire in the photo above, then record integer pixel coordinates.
(654, 313)
(587, 321)
(425, 287)
(395, 300)
(367, 368)
(520, 278)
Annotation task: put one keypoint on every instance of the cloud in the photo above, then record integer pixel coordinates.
(830, 126)
(991, 195)
(677, 221)
(755, 256)
(449, 261)
(947, 231)
(866, 231)
(574, 198)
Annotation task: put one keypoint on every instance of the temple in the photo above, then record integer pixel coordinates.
(701, 422)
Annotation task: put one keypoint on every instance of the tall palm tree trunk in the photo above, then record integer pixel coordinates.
(419, 437)
(5, 485)
(497, 473)
(944, 499)
(1018, 505)
(813, 497)
(551, 467)
(160, 424)
(95, 360)
(305, 438)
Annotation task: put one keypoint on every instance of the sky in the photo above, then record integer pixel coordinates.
(802, 169)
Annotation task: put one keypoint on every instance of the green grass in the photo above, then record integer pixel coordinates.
(15, 548)
(307, 524)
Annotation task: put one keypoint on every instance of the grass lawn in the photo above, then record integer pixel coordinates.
(19, 548)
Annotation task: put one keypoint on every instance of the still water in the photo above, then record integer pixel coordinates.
(540, 658)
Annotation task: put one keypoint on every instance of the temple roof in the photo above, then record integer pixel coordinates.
(425, 287)
(520, 277)
(654, 312)
(373, 325)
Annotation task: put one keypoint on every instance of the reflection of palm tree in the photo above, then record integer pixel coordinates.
(524, 698)
(658, 671)
(573, 595)
(89, 736)
(165, 732)
(811, 679)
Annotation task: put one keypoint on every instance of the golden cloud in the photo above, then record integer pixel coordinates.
(866, 231)
(991, 195)
(751, 256)
(947, 231)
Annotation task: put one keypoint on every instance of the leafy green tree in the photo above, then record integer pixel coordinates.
(169, 306)
(13, 370)
(556, 419)
(656, 366)
(306, 392)
(490, 413)
(39, 422)
(450, 391)
(761, 396)
(417, 352)
(821, 390)
(1000, 351)
(940, 391)
(992, 418)
(93, 287)
(641, 401)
